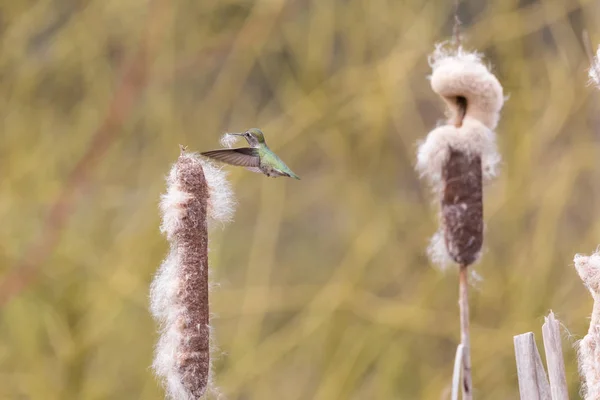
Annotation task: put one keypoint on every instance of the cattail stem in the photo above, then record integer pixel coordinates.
(463, 303)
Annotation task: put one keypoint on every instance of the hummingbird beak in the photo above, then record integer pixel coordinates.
(237, 134)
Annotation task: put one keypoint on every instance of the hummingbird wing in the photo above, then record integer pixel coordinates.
(243, 157)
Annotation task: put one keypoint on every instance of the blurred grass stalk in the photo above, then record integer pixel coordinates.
(179, 294)
(457, 158)
(127, 94)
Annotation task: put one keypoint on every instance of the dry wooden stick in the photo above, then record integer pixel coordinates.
(458, 362)
(554, 358)
(533, 384)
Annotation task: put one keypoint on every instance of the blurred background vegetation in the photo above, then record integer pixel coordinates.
(325, 289)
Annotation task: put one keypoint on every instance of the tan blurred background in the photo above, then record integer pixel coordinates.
(325, 289)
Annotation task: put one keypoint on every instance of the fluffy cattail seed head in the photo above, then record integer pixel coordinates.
(588, 268)
(196, 191)
(458, 157)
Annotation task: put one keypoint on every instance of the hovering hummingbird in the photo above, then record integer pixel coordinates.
(256, 158)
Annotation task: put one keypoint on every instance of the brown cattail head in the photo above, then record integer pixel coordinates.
(462, 207)
(588, 268)
(458, 157)
(196, 190)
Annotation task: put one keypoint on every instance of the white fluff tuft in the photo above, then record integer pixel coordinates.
(472, 138)
(594, 71)
(588, 268)
(438, 254)
(165, 308)
(221, 200)
(164, 287)
(460, 73)
(443, 52)
(433, 154)
(172, 205)
(228, 140)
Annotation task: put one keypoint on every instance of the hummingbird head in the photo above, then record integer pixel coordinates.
(254, 136)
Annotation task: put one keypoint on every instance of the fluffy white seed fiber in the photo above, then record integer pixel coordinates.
(472, 138)
(594, 71)
(588, 268)
(461, 73)
(438, 254)
(228, 140)
(221, 200)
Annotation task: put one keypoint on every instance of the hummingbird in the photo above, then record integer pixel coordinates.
(256, 158)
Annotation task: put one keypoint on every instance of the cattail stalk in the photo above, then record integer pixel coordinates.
(465, 339)
(196, 191)
(458, 158)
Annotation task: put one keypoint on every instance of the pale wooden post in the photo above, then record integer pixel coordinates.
(458, 362)
(554, 358)
(533, 384)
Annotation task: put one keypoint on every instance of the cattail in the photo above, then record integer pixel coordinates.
(197, 192)
(588, 268)
(458, 158)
